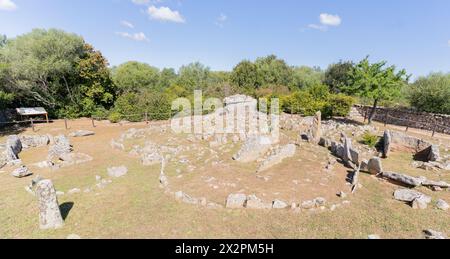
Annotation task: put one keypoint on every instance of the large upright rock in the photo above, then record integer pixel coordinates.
(13, 148)
(315, 131)
(375, 167)
(60, 147)
(430, 154)
(387, 140)
(253, 149)
(49, 212)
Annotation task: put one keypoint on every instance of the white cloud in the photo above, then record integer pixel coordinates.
(7, 5)
(165, 14)
(221, 20)
(135, 36)
(318, 27)
(127, 24)
(330, 20)
(326, 20)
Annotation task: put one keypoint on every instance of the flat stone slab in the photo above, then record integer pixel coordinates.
(81, 133)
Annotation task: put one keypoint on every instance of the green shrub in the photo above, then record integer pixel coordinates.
(114, 117)
(128, 106)
(341, 104)
(370, 139)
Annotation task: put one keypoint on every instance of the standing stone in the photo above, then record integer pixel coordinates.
(375, 167)
(434, 155)
(315, 132)
(49, 213)
(387, 143)
(347, 147)
(13, 148)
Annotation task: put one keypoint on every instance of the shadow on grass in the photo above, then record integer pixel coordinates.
(65, 209)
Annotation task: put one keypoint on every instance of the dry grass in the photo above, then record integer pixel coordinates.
(135, 207)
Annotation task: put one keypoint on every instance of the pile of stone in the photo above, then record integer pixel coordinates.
(416, 199)
(277, 156)
(253, 149)
(34, 141)
(344, 151)
(242, 201)
(61, 146)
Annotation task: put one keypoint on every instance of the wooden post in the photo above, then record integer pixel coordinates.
(407, 128)
(146, 118)
(32, 124)
(434, 129)
(65, 123)
(93, 122)
(366, 110)
(46, 118)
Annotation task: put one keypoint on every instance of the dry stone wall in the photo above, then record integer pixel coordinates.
(408, 118)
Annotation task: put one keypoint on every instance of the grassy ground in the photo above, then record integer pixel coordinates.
(135, 207)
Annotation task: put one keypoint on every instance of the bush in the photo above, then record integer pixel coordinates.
(114, 117)
(133, 107)
(431, 94)
(341, 104)
(370, 139)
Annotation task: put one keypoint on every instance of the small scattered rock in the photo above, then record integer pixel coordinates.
(442, 205)
(21, 172)
(117, 171)
(277, 204)
(432, 234)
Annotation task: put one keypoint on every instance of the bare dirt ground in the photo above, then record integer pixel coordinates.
(135, 206)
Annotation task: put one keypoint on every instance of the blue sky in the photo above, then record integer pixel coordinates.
(412, 34)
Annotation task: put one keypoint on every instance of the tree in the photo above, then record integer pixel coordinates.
(3, 40)
(194, 76)
(273, 71)
(134, 77)
(167, 78)
(338, 75)
(39, 65)
(96, 89)
(376, 82)
(431, 93)
(304, 77)
(245, 75)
